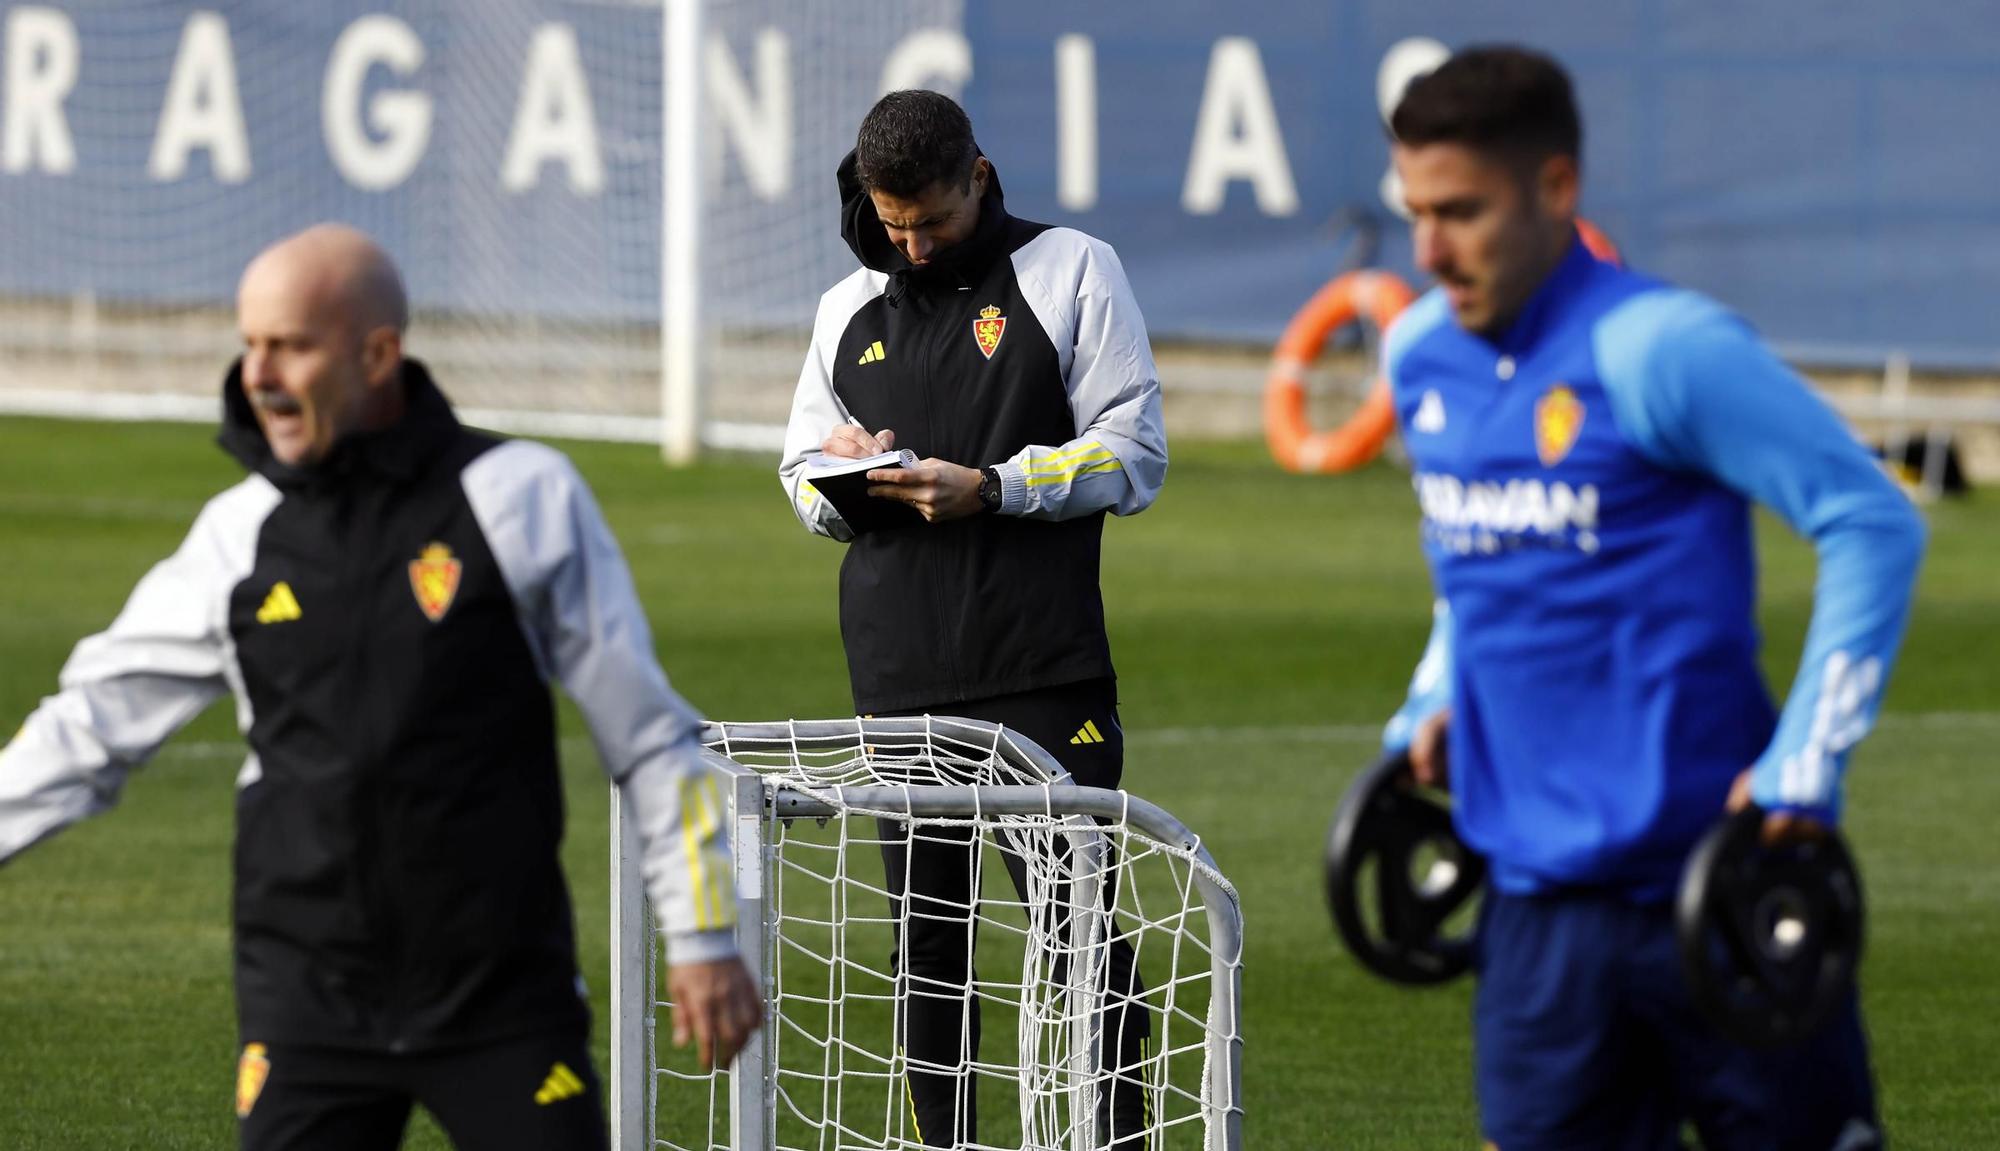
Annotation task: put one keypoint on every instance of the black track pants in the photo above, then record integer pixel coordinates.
(935, 873)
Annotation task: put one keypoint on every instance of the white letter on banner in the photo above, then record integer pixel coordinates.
(42, 59)
(554, 120)
(757, 123)
(1076, 123)
(1236, 137)
(1402, 63)
(934, 58)
(401, 117)
(202, 109)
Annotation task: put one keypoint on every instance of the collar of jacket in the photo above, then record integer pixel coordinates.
(951, 269)
(397, 452)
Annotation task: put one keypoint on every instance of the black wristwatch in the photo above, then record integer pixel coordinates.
(989, 489)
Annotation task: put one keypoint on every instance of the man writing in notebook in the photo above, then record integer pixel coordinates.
(1011, 359)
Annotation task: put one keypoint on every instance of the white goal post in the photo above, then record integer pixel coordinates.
(811, 804)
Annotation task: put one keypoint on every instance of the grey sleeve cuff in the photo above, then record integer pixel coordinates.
(700, 946)
(1013, 488)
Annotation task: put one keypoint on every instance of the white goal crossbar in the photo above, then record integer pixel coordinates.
(811, 804)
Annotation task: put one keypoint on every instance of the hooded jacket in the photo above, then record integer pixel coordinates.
(389, 620)
(1020, 348)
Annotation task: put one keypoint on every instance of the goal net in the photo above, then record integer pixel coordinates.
(814, 805)
(512, 155)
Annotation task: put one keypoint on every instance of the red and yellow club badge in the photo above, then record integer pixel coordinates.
(1558, 421)
(987, 330)
(434, 579)
(251, 1072)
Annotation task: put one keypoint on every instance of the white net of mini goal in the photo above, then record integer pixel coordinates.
(1068, 1032)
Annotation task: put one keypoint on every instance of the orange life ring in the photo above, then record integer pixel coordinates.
(1379, 296)
(1376, 296)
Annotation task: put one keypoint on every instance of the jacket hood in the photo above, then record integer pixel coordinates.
(865, 236)
(398, 450)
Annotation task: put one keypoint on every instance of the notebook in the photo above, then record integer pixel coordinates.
(844, 483)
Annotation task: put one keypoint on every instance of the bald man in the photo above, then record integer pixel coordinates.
(389, 596)
(322, 316)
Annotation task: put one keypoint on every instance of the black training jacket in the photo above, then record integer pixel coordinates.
(1021, 349)
(389, 622)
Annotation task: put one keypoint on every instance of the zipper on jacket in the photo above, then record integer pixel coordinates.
(940, 336)
(394, 946)
(377, 914)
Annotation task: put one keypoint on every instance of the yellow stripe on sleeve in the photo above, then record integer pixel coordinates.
(1097, 469)
(1089, 459)
(691, 846)
(1069, 467)
(1091, 450)
(719, 879)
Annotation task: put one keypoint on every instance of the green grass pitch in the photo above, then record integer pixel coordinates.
(1263, 624)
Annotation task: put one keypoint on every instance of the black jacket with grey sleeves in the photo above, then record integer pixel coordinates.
(389, 622)
(1022, 349)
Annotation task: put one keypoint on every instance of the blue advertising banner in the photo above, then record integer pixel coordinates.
(1827, 170)
(148, 149)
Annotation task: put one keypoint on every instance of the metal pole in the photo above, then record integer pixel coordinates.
(631, 987)
(681, 190)
(1895, 399)
(751, 1086)
(1088, 981)
(1224, 1097)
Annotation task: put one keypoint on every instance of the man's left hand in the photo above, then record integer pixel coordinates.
(1780, 827)
(938, 489)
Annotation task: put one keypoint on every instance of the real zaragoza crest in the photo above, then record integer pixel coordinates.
(1558, 421)
(251, 1072)
(434, 579)
(987, 330)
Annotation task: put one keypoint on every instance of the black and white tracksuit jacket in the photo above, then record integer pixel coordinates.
(389, 622)
(1021, 348)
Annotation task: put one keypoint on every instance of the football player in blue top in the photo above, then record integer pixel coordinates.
(1587, 443)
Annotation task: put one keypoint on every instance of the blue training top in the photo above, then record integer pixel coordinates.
(1585, 481)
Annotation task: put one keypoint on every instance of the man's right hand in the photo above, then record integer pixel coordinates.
(852, 442)
(717, 1005)
(1430, 758)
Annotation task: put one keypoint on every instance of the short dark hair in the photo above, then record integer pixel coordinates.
(1510, 102)
(913, 139)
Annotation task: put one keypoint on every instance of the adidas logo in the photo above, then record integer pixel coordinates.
(1430, 414)
(1088, 733)
(561, 1084)
(875, 354)
(281, 606)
